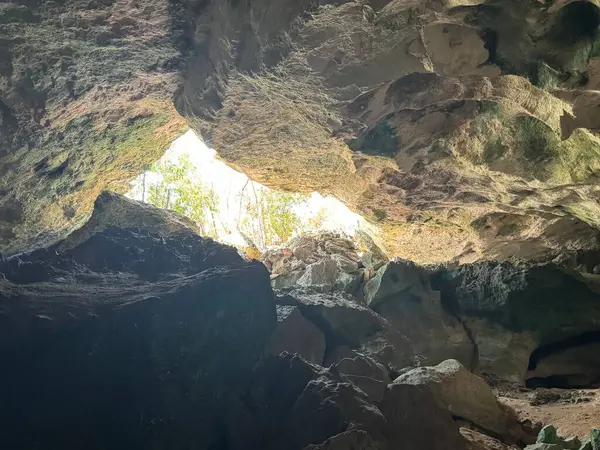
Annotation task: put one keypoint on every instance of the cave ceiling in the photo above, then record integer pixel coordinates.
(464, 129)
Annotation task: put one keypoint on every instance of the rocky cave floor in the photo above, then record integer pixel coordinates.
(574, 412)
(153, 337)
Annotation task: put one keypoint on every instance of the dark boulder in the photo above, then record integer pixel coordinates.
(347, 323)
(296, 334)
(128, 340)
(293, 405)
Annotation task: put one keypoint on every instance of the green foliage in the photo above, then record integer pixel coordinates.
(266, 217)
(180, 190)
(271, 218)
(316, 222)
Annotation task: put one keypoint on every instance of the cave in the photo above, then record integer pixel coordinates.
(566, 364)
(138, 316)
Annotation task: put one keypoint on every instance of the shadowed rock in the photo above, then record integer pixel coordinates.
(128, 339)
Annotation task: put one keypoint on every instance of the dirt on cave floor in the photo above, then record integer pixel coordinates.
(574, 412)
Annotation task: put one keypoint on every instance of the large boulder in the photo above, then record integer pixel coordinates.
(127, 339)
(323, 261)
(465, 395)
(292, 404)
(111, 209)
(289, 403)
(348, 324)
(417, 421)
(365, 373)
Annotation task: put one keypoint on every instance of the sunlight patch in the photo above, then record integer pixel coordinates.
(231, 208)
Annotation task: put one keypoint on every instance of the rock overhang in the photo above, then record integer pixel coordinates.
(465, 129)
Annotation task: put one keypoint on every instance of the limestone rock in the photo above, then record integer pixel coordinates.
(345, 322)
(348, 440)
(572, 443)
(329, 274)
(345, 319)
(401, 292)
(373, 257)
(512, 309)
(291, 404)
(548, 435)
(417, 421)
(462, 393)
(595, 438)
(440, 121)
(576, 365)
(338, 353)
(295, 334)
(367, 374)
(164, 326)
(322, 261)
(542, 446)
(111, 209)
(394, 278)
(480, 441)
(587, 445)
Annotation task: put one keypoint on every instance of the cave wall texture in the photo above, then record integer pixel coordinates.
(464, 128)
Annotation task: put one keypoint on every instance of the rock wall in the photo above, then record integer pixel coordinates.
(86, 104)
(448, 123)
(512, 321)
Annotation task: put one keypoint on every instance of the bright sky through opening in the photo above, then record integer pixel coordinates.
(228, 184)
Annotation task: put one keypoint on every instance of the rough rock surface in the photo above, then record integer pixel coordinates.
(416, 421)
(508, 321)
(294, 405)
(465, 128)
(401, 292)
(572, 366)
(323, 261)
(127, 339)
(295, 334)
(367, 374)
(445, 115)
(519, 312)
(349, 325)
(85, 105)
(464, 394)
(480, 441)
(548, 439)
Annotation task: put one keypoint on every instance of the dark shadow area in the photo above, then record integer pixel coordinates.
(576, 22)
(567, 364)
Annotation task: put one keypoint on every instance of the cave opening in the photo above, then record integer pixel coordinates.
(230, 207)
(572, 363)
